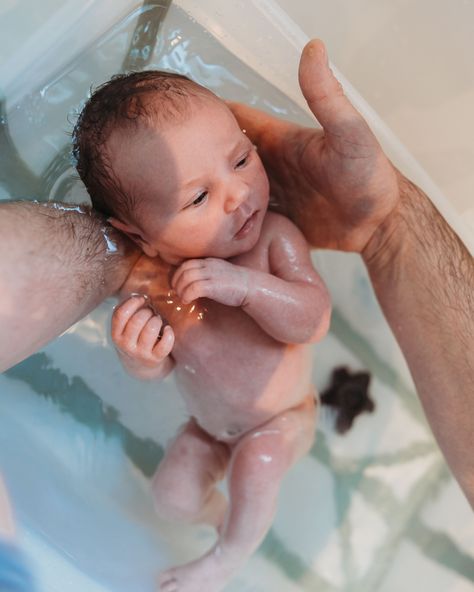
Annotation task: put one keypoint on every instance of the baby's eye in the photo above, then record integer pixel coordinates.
(201, 198)
(242, 162)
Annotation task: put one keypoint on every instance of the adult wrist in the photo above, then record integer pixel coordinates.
(388, 244)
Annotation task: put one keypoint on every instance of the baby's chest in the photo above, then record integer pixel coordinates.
(213, 335)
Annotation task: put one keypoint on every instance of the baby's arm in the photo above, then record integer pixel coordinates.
(291, 303)
(136, 333)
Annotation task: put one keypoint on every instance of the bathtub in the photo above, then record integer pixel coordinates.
(79, 439)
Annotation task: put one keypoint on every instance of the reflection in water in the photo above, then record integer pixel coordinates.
(145, 36)
(74, 397)
(16, 178)
(35, 134)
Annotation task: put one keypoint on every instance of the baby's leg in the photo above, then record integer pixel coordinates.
(184, 483)
(259, 462)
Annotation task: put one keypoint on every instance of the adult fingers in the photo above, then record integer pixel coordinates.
(323, 92)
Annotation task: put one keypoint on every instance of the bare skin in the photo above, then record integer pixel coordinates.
(242, 302)
(57, 264)
(343, 192)
(374, 214)
(56, 254)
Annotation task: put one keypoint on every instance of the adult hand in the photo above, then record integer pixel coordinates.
(336, 184)
(343, 192)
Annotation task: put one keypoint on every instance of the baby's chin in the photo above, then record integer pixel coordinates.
(242, 247)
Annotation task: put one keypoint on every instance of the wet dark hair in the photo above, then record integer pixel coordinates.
(124, 103)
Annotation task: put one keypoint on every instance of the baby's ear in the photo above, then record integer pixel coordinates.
(127, 229)
(133, 234)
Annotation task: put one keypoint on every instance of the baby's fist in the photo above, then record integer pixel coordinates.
(139, 334)
(212, 278)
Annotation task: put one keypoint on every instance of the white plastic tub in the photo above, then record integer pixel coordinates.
(412, 62)
(79, 439)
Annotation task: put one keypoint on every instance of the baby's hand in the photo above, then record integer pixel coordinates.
(138, 333)
(212, 278)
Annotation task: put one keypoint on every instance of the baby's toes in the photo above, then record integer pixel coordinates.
(168, 582)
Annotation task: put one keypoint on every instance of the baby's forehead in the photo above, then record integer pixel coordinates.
(164, 113)
(158, 114)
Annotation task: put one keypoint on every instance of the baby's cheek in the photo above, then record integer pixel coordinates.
(260, 185)
(263, 181)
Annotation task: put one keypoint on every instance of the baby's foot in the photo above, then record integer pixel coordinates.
(210, 573)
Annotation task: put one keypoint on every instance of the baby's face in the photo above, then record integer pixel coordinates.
(203, 189)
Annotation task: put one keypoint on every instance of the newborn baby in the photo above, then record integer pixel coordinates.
(232, 303)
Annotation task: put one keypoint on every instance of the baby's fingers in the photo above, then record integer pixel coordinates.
(150, 333)
(192, 267)
(201, 288)
(189, 283)
(127, 336)
(124, 312)
(165, 344)
(132, 330)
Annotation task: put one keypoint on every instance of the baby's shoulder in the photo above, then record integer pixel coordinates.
(150, 276)
(276, 225)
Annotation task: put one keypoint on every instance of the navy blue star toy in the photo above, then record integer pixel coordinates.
(348, 396)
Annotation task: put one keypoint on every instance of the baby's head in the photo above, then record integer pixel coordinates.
(166, 161)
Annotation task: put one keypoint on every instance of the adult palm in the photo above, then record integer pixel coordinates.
(336, 182)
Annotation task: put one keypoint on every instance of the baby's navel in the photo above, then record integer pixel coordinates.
(232, 431)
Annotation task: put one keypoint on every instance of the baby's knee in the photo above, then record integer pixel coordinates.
(174, 501)
(263, 454)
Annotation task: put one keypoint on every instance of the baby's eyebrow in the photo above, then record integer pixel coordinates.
(241, 144)
(192, 182)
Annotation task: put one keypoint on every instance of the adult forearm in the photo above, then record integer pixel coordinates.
(56, 264)
(424, 280)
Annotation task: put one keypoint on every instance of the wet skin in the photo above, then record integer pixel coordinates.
(232, 303)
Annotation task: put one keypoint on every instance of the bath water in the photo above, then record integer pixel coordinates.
(79, 439)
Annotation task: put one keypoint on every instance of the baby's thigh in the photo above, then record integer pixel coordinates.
(295, 428)
(279, 443)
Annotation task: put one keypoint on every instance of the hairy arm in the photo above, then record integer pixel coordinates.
(291, 303)
(58, 262)
(424, 280)
(341, 189)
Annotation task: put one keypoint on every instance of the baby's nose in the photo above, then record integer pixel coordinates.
(236, 195)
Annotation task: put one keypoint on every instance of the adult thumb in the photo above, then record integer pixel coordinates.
(321, 89)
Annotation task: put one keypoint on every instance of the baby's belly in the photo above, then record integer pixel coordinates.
(234, 377)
